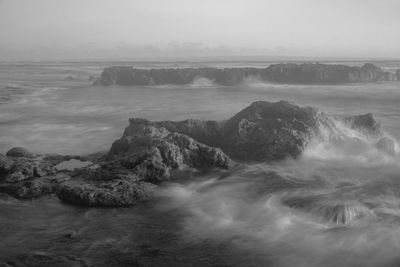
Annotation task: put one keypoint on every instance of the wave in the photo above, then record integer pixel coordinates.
(317, 210)
(336, 139)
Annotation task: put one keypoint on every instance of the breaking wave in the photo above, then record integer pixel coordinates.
(337, 140)
(202, 82)
(341, 198)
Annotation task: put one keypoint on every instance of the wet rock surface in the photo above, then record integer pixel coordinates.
(115, 193)
(152, 151)
(365, 123)
(306, 73)
(263, 131)
(149, 152)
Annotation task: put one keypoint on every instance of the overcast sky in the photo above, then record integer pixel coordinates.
(82, 29)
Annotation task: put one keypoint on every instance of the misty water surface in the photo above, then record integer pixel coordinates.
(240, 217)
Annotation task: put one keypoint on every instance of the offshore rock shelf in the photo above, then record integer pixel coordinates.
(288, 73)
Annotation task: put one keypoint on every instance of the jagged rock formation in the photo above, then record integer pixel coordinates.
(306, 73)
(263, 131)
(148, 152)
(27, 176)
(152, 151)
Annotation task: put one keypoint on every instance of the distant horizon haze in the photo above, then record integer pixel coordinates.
(156, 29)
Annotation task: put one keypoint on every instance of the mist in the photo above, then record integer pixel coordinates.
(287, 212)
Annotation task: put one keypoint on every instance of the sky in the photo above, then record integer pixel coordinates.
(118, 29)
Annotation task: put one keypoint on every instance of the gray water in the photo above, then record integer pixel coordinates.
(237, 218)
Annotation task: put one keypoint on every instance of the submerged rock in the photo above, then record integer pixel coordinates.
(306, 73)
(387, 145)
(332, 210)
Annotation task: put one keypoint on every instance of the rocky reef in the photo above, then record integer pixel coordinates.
(150, 152)
(288, 73)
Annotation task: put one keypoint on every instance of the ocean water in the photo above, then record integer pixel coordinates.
(282, 214)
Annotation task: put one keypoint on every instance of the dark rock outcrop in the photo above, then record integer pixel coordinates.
(365, 123)
(152, 151)
(263, 131)
(398, 75)
(5, 166)
(28, 177)
(115, 193)
(306, 73)
(32, 188)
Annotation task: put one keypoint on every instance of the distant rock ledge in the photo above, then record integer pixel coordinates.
(288, 73)
(149, 153)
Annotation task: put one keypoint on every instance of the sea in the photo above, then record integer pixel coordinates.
(239, 217)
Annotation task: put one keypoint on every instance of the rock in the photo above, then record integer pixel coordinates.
(116, 193)
(365, 123)
(27, 189)
(306, 73)
(263, 131)
(27, 177)
(5, 166)
(387, 145)
(19, 152)
(398, 75)
(331, 210)
(267, 131)
(69, 78)
(20, 170)
(148, 152)
(33, 187)
(152, 151)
